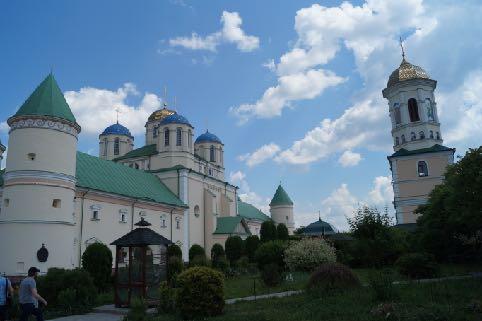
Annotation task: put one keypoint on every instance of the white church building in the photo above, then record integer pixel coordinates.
(55, 201)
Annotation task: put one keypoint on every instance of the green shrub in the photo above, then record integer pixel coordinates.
(217, 251)
(251, 245)
(174, 267)
(417, 265)
(282, 232)
(66, 300)
(243, 264)
(382, 287)
(330, 277)
(221, 264)
(234, 248)
(196, 250)
(271, 274)
(199, 260)
(270, 252)
(174, 250)
(268, 231)
(137, 311)
(308, 254)
(201, 293)
(97, 260)
(167, 298)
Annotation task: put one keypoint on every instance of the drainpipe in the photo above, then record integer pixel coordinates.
(82, 197)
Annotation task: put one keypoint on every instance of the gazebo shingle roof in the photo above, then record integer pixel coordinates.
(141, 236)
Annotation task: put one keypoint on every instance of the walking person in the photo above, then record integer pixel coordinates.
(6, 294)
(29, 298)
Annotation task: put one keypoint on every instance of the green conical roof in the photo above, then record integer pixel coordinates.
(280, 197)
(47, 100)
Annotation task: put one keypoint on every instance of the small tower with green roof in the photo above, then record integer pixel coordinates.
(281, 209)
(39, 183)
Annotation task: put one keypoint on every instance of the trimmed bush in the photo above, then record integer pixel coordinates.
(97, 260)
(196, 250)
(199, 260)
(217, 251)
(167, 299)
(282, 232)
(174, 267)
(243, 265)
(251, 245)
(270, 252)
(174, 250)
(308, 254)
(331, 277)
(201, 293)
(417, 265)
(271, 274)
(221, 264)
(268, 231)
(234, 248)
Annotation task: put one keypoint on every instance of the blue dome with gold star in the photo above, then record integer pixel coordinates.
(175, 119)
(208, 137)
(117, 129)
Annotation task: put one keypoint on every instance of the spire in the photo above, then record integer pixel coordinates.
(47, 100)
(280, 198)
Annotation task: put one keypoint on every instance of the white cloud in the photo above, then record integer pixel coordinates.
(382, 192)
(230, 32)
(246, 194)
(339, 206)
(4, 128)
(95, 109)
(270, 65)
(260, 155)
(349, 158)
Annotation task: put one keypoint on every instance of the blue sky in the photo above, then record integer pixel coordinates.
(293, 88)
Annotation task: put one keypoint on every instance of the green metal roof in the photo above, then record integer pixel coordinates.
(228, 224)
(435, 148)
(250, 212)
(280, 197)
(102, 175)
(47, 100)
(147, 150)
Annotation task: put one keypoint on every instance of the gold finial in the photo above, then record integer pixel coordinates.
(403, 50)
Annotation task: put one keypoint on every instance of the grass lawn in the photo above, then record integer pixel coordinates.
(449, 300)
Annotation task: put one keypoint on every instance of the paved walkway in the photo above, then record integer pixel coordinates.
(92, 317)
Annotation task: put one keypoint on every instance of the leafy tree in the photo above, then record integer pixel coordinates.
(217, 251)
(174, 250)
(450, 226)
(268, 231)
(196, 251)
(234, 248)
(97, 260)
(271, 252)
(282, 232)
(251, 245)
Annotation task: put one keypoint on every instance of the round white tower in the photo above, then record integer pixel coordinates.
(37, 223)
(281, 209)
(115, 141)
(210, 148)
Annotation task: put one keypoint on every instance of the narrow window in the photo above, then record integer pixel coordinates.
(179, 137)
(189, 138)
(397, 141)
(403, 139)
(398, 116)
(6, 202)
(154, 131)
(422, 169)
(166, 137)
(438, 136)
(212, 156)
(116, 146)
(413, 136)
(56, 203)
(163, 221)
(95, 215)
(422, 135)
(105, 146)
(122, 216)
(210, 172)
(196, 210)
(431, 134)
(413, 110)
(136, 166)
(178, 223)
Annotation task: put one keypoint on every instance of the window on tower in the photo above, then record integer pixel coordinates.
(105, 146)
(403, 139)
(431, 134)
(398, 116)
(397, 141)
(422, 134)
(116, 146)
(413, 136)
(438, 136)
(212, 155)
(178, 137)
(422, 169)
(189, 138)
(166, 137)
(413, 110)
(154, 131)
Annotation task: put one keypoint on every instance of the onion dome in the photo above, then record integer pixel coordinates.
(406, 71)
(175, 119)
(280, 198)
(161, 114)
(117, 129)
(208, 137)
(319, 228)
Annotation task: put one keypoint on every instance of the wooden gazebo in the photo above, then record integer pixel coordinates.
(140, 265)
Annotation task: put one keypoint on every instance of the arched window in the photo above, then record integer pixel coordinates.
(413, 136)
(105, 146)
(179, 137)
(438, 135)
(431, 134)
(398, 116)
(189, 138)
(403, 139)
(154, 131)
(422, 135)
(413, 110)
(397, 141)
(116, 146)
(422, 169)
(196, 211)
(212, 155)
(166, 137)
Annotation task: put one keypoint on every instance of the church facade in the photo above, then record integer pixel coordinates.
(56, 201)
(419, 160)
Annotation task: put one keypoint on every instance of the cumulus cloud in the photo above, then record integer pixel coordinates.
(382, 192)
(349, 158)
(231, 32)
(4, 128)
(260, 155)
(246, 194)
(95, 108)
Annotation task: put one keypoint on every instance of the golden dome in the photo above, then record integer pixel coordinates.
(161, 114)
(406, 71)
